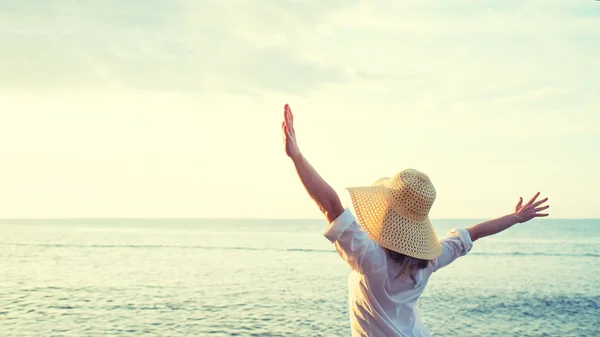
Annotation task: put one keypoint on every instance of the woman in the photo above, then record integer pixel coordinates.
(392, 247)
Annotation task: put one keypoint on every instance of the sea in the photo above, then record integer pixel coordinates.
(186, 277)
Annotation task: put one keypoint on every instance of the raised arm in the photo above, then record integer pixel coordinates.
(318, 189)
(522, 214)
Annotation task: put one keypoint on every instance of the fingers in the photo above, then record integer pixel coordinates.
(286, 130)
(541, 215)
(539, 209)
(540, 202)
(289, 110)
(534, 198)
(289, 117)
(289, 120)
(520, 204)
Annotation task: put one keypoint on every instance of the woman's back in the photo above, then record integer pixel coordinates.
(381, 302)
(387, 304)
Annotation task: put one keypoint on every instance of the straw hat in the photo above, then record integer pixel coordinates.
(395, 213)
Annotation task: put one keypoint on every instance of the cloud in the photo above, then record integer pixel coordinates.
(383, 49)
(189, 46)
(475, 17)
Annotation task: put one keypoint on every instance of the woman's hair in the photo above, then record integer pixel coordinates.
(408, 264)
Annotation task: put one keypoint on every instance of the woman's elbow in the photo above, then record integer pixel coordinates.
(473, 233)
(333, 209)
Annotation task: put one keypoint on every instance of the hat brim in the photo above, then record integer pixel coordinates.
(389, 228)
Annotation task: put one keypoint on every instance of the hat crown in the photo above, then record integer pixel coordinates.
(412, 194)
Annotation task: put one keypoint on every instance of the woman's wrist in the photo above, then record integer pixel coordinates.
(515, 218)
(296, 157)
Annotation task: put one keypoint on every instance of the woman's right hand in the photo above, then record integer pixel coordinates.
(531, 209)
(289, 134)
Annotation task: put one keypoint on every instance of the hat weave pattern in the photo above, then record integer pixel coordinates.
(395, 213)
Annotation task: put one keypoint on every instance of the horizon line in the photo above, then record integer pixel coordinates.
(247, 218)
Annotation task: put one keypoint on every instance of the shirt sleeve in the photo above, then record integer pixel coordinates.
(456, 244)
(354, 244)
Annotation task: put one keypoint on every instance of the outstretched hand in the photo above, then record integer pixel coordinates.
(289, 134)
(531, 209)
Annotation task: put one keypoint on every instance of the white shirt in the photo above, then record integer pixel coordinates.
(382, 305)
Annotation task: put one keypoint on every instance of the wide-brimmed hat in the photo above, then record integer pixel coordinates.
(395, 213)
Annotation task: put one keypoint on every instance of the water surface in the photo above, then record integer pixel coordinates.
(278, 278)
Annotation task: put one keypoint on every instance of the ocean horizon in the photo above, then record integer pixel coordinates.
(278, 277)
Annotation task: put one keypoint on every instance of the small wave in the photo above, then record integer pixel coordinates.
(169, 246)
(538, 305)
(299, 250)
(535, 254)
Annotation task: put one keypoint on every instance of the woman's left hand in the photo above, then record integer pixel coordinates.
(289, 134)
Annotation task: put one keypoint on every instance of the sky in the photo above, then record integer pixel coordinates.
(173, 108)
